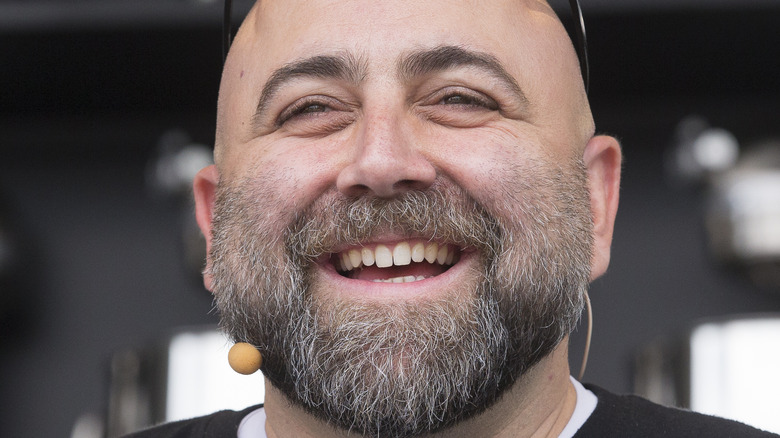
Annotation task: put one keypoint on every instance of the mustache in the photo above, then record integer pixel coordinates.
(442, 213)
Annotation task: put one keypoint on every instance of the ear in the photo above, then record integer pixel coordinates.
(204, 188)
(602, 158)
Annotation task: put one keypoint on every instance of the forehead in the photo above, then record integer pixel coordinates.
(291, 29)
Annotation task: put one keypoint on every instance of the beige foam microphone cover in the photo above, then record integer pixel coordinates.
(244, 358)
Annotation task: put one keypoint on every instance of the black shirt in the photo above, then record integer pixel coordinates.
(615, 416)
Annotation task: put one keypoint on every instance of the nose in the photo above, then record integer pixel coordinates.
(387, 160)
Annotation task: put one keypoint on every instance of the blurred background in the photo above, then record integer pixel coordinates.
(107, 106)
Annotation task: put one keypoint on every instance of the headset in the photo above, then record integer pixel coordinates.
(580, 43)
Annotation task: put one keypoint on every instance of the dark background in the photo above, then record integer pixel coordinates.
(88, 88)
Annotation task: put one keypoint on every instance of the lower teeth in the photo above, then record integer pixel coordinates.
(406, 279)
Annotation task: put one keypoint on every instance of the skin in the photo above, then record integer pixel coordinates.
(382, 133)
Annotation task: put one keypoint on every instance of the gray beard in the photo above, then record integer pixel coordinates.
(409, 368)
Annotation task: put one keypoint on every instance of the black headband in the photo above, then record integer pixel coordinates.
(580, 43)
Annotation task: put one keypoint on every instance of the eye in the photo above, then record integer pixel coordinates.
(315, 115)
(459, 106)
(468, 99)
(311, 106)
(462, 98)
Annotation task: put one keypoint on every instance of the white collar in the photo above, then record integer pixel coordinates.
(586, 404)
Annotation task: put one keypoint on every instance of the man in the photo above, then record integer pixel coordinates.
(407, 206)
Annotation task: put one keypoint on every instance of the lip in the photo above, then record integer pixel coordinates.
(439, 285)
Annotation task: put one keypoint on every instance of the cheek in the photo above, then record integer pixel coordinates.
(484, 163)
(294, 173)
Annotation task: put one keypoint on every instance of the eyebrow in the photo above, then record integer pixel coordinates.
(424, 62)
(413, 65)
(343, 67)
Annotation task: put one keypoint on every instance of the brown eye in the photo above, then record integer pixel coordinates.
(458, 100)
(468, 100)
(459, 106)
(313, 108)
(315, 115)
(302, 109)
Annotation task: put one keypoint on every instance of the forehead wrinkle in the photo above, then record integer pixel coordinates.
(343, 66)
(420, 63)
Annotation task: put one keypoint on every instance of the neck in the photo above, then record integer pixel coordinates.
(539, 405)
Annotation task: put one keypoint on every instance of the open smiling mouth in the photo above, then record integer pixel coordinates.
(403, 262)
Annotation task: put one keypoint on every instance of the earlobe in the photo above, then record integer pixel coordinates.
(602, 158)
(204, 188)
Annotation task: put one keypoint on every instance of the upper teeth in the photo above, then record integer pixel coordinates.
(402, 254)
